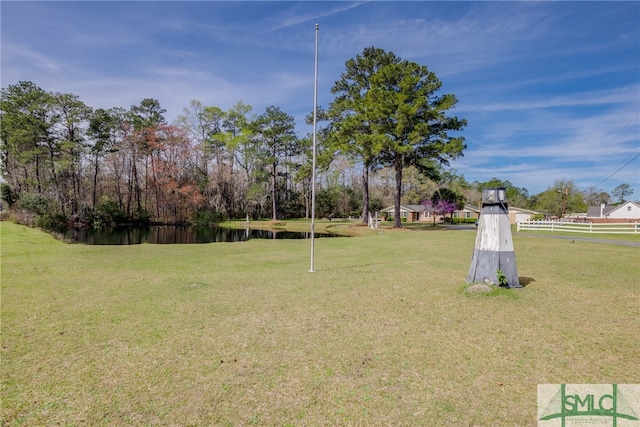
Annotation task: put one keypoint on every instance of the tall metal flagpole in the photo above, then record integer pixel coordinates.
(313, 170)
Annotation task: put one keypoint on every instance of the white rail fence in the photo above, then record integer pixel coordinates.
(579, 227)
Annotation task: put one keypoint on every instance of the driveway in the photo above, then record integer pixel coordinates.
(461, 227)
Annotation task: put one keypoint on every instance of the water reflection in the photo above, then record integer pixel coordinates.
(178, 235)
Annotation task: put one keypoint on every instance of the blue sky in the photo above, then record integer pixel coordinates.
(550, 90)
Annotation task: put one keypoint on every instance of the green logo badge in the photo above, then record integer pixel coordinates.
(588, 404)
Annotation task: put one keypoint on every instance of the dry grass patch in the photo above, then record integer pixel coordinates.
(241, 334)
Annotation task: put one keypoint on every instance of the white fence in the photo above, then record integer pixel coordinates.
(580, 227)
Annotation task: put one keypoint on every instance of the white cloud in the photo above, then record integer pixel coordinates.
(620, 95)
(297, 17)
(17, 56)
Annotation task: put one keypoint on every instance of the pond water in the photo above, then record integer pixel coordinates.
(169, 234)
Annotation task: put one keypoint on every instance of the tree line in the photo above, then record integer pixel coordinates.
(385, 139)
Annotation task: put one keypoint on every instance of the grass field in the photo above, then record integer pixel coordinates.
(381, 334)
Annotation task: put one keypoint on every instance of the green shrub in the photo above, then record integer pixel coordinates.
(205, 218)
(464, 220)
(34, 203)
(56, 222)
(502, 279)
(7, 194)
(108, 212)
(141, 216)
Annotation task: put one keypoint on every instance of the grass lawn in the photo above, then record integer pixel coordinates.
(625, 237)
(382, 333)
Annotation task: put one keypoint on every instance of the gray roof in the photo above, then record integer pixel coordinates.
(594, 211)
(471, 208)
(414, 208)
(410, 208)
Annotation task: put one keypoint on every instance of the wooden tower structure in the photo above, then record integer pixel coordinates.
(494, 244)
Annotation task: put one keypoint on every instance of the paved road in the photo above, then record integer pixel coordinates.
(461, 227)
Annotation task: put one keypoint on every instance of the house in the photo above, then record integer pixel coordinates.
(466, 213)
(625, 212)
(417, 213)
(517, 215)
(409, 213)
